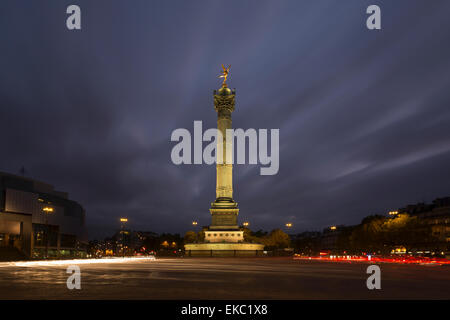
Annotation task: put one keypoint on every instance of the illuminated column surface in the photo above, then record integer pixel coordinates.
(224, 210)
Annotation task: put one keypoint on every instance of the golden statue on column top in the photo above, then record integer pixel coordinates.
(224, 75)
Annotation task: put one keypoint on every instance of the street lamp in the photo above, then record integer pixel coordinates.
(393, 213)
(47, 211)
(246, 224)
(288, 225)
(123, 220)
(194, 223)
(333, 228)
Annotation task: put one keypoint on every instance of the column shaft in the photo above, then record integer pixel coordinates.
(224, 179)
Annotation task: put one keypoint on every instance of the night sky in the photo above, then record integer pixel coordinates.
(364, 116)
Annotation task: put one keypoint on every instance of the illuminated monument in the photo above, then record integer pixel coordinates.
(224, 237)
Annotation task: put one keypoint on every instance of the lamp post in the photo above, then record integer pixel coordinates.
(123, 220)
(246, 224)
(47, 211)
(289, 225)
(194, 223)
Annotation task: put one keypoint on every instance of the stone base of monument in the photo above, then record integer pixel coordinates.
(224, 249)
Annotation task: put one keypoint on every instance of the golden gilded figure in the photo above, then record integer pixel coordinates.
(224, 75)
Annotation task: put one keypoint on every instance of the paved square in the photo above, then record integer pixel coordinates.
(225, 278)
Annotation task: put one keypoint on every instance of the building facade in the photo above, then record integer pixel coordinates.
(38, 221)
(437, 217)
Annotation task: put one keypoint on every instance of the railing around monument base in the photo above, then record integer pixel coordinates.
(224, 253)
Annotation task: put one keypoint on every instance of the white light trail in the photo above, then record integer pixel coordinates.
(74, 262)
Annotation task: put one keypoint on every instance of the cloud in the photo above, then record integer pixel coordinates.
(363, 116)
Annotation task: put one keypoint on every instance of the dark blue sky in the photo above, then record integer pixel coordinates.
(364, 116)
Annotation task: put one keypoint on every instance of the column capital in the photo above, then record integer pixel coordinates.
(224, 99)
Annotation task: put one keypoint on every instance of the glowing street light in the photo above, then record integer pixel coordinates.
(288, 225)
(123, 220)
(194, 223)
(246, 224)
(393, 213)
(47, 211)
(333, 228)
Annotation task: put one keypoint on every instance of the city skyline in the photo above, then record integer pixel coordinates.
(363, 115)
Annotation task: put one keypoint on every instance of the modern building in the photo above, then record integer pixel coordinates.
(38, 221)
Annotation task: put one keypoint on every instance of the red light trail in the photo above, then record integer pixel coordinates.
(372, 259)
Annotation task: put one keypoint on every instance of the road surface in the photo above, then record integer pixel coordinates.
(224, 278)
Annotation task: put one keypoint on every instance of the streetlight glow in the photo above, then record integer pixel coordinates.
(123, 220)
(47, 211)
